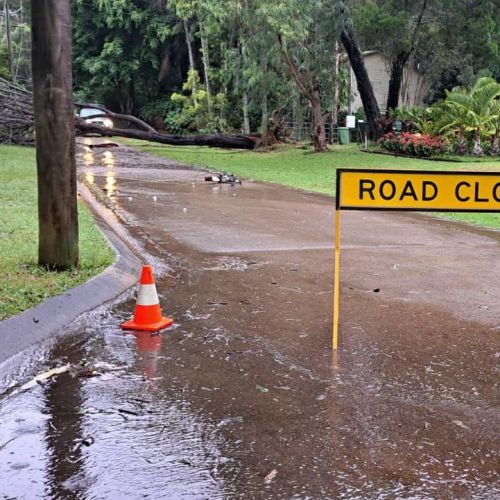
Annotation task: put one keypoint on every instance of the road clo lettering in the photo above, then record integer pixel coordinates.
(387, 190)
(465, 192)
(424, 191)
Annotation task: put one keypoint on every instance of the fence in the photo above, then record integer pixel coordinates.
(302, 131)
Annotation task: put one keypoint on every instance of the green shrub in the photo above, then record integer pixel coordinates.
(196, 111)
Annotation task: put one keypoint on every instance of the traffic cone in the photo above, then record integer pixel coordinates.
(147, 312)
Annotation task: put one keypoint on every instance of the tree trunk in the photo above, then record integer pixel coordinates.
(206, 66)
(16, 124)
(264, 111)
(211, 140)
(264, 98)
(9, 41)
(21, 42)
(395, 81)
(319, 135)
(399, 63)
(55, 134)
(494, 149)
(336, 90)
(189, 45)
(365, 88)
(125, 100)
(191, 57)
(313, 96)
(246, 118)
(477, 149)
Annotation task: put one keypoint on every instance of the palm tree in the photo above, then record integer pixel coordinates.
(471, 112)
(495, 136)
(417, 118)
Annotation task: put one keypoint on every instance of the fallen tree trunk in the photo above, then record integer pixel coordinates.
(17, 124)
(211, 140)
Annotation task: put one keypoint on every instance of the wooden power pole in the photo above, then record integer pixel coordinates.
(55, 134)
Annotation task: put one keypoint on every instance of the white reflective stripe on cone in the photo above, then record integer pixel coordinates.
(147, 296)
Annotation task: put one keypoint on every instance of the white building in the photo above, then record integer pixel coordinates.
(413, 88)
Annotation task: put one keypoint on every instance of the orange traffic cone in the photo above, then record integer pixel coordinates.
(147, 312)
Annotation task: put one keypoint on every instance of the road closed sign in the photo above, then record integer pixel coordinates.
(363, 189)
(418, 190)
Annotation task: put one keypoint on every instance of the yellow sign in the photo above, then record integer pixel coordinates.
(359, 189)
(418, 190)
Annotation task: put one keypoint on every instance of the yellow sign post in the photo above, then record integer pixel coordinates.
(362, 189)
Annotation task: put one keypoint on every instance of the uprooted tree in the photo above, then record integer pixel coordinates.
(17, 124)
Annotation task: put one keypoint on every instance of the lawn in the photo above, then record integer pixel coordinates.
(304, 169)
(23, 283)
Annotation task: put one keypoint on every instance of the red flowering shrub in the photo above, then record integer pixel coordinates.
(422, 145)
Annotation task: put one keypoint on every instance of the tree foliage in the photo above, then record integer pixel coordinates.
(468, 116)
(456, 42)
(192, 112)
(119, 49)
(18, 24)
(472, 113)
(256, 57)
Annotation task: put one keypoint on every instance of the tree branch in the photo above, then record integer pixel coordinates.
(418, 23)
(116, 116)
(294, 72)
(17, 124)
(211, 140)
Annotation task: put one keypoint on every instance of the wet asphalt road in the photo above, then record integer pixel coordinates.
(243, 398)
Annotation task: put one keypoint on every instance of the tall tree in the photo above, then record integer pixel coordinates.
(244, 63)
(9, 40)
(464, 45)
(336, 83)
(251, 63)
(55, 134)
(370, 105)
(401, 58)
(15, 44)
(308, 84)
(307, 32)
(200, 12)
(206, 64)
(395, 27)
(126, 52)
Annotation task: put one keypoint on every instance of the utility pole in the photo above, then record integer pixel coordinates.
(9, 40)
(55, 134)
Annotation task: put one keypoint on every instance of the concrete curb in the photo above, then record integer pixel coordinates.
(38, 324)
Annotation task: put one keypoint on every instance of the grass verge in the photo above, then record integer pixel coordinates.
(304, 169)
(23, 284)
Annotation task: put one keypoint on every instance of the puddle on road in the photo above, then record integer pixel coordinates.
(172, 201)
(198, 412)
(88, 158)
(118, 435)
